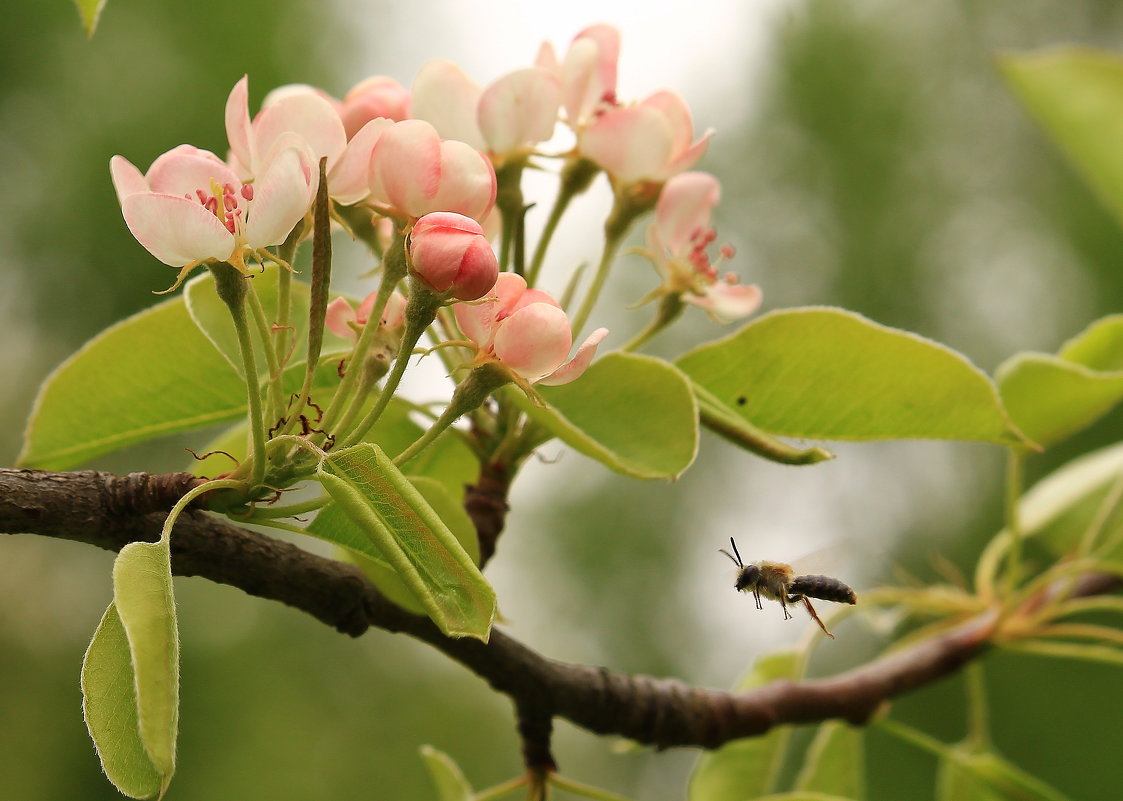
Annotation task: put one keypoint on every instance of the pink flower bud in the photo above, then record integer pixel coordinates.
(450, 253)
(415, 173)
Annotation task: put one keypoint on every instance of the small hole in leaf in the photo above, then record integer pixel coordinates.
(742, 400)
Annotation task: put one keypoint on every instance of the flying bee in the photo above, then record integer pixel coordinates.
(778, 582)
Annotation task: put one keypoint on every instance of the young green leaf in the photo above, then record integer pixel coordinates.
(90, 12)
(635, 414)
(803, 795)
(142, 594)
(412, 538)
(1059, 510)
(1076, 95)
(1085, 652)
(967, 775)
(109, 706)
(1050, 397)
(333, 525)
(833, 374)
(835, 762)
(448, 459)
(747, 768)
(447, 777)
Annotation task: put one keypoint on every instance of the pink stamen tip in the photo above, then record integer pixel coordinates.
(247, 191)
(200, 194)
(728, 251)
(229, 203)
(211, 205)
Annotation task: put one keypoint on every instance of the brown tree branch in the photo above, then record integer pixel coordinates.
(111, 511)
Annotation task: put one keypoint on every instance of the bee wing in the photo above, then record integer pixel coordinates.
(852, 562)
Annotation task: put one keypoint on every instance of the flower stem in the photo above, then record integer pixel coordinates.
(978, 728)
(290, 510)
(575, 179)
(420, 313)
(1015, 479)
(577, 788)
(615, 228)
(469, 394)
(500, 790)
(342, 403)
(914, 737)
(286, 253)
(231, 287)
(509, 201)
(276, 391)
(670, 309)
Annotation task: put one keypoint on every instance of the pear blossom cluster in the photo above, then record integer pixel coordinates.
(427, 163)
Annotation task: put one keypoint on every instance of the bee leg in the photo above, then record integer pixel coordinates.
(815, 617)
(784, 606)
(756, 595)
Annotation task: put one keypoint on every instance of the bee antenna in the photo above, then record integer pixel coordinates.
(737, 561)
(731, 542)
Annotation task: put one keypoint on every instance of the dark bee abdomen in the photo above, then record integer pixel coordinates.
(823, 587)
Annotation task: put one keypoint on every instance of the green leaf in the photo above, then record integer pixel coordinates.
(1076, 95)
(90, 12)
(333, 524)
(447, 777)
(150, 375)
(745, 769)
(1061, 507)
(635, 414)
(109, 706)
(835, 762)
(142, 594)
(1050, 397)
(722, 420)
(803, 795)
(966, 775)
(833, 374)
(411, 537)
(448, 459)
(1085, 652)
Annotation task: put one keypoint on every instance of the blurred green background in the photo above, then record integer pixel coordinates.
(870, 158)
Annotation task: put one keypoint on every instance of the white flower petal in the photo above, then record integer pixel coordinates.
(175, 230)
(580, 362)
